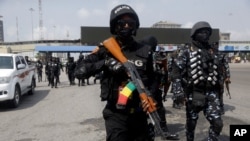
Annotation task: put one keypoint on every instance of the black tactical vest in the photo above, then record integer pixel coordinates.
(202, 69)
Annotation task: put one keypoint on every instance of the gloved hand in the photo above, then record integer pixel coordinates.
(114, 65)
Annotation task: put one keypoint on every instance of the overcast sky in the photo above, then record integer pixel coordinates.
(62, 19)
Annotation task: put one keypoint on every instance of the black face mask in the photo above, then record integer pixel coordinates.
(123, 31)
(202, 35)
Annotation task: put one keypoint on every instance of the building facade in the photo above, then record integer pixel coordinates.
(166, 24)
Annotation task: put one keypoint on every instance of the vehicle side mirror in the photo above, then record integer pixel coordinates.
(20, 66)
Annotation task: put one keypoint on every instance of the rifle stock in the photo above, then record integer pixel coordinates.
(115, 50)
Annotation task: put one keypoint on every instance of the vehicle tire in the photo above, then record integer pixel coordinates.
(32, 87)
(14, 103)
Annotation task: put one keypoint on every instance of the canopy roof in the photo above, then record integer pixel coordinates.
(65, 48)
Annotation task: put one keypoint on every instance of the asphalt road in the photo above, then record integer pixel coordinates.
(72, 113)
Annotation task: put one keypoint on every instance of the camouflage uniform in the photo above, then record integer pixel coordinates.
(200, 74)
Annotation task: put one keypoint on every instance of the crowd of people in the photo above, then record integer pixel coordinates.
(195, 75)
(53, 67)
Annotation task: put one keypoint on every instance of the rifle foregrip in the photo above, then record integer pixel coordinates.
(114, 48)
(151, 107)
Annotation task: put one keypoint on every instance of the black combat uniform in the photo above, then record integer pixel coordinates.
(54, 73)
(161, 77)
(39, 68)
(70, 68)
(47, 69)
(129, 123)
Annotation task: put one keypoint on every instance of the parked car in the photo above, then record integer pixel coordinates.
(17, 78)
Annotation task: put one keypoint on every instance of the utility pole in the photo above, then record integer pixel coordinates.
(1, 30)
(31, 10)
(17, 34)
(40, 19)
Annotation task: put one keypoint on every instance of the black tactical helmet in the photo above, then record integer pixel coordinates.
(150, 40)
(200, 25)
(120, 10)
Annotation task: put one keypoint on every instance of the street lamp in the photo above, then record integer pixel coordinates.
(54, 32)
(31, 10)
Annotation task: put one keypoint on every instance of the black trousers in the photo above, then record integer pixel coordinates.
(125, 126)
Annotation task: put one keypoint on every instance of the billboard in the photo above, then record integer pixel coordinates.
(95, 35)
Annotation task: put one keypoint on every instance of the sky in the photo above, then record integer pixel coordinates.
(62, 19)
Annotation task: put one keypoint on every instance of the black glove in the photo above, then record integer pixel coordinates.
(114, 65)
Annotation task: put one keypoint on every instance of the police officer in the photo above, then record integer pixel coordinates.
(223, 69)
(80, 81)
(54, 72)
(161, 75)
(70, 68)
(161, 61)
(199, 66)
(48, 68)
(39, 67)
(27, 60)
(130, 122)
(60, 68)
(174, 75)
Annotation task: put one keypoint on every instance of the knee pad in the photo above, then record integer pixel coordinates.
(218, 125)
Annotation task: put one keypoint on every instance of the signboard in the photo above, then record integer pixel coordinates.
(234, 48)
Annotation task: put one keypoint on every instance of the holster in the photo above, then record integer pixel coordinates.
(198, 99)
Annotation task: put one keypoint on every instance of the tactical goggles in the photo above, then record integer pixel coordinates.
(123, 23)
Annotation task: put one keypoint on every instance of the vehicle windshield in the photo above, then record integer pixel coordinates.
(6, 62)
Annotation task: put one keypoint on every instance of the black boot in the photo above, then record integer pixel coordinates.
(222, 111)
(176, 105)
(167, 134)
(190, 136)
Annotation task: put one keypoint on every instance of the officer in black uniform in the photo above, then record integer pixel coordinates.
(78, 62)
(70, 68)
(59, 69)
(199, 66)
(48, 68)
(160, 69)
(130, 122)
(54, 72)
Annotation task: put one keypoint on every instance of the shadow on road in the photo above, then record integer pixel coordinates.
(27, 101)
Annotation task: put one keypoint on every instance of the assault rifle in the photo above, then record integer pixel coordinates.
(144, 94)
